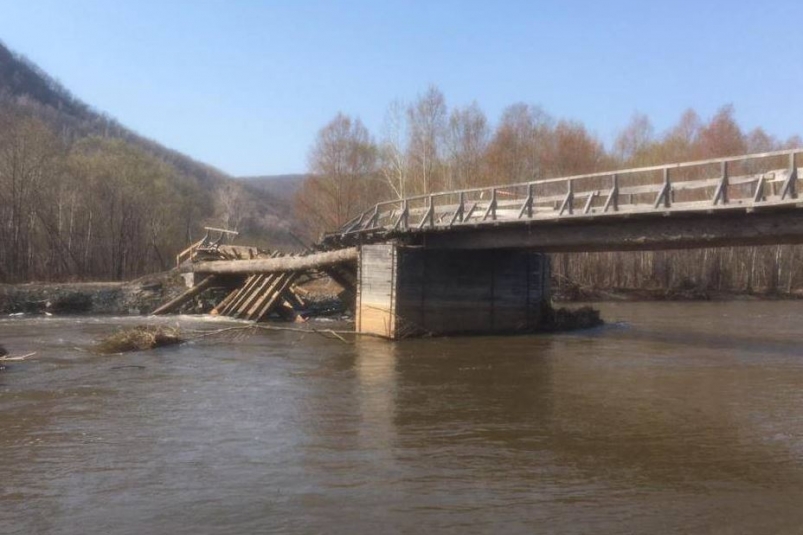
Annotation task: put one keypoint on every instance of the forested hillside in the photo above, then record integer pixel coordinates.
(83, 197)
(424, 146)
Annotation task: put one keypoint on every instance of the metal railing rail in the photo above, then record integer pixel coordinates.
(748, 181)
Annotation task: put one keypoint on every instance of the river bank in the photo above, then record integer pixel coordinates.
(143, 295)
(571, 293)
(137, 297)
(116, 298)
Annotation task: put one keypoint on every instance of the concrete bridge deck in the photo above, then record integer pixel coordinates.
(744, 200)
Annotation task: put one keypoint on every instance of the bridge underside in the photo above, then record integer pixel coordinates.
(635, 233)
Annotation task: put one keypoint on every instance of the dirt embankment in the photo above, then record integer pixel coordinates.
(119, 298)
(138, 297)
(573, 293)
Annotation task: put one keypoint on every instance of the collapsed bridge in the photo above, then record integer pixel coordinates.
(474, 260)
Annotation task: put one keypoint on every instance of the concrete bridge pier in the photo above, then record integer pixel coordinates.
(407, 291)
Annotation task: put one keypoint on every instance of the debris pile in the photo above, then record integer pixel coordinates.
(139, 338)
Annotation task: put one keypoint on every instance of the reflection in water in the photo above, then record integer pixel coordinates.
(676, 418)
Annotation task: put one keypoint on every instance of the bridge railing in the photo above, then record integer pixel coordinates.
(719, 183)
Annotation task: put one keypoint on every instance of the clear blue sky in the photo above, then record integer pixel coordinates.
(245, 85)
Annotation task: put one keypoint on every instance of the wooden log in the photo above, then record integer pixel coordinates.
(266, 282)
(295, 300)
(226, 300)
(253, 293)
(242, 293)
(9, 358)
(186, 296)
(286, 310)
(270, 291)
(285, 280)
(276, 265)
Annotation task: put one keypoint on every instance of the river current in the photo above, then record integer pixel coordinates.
(672, 418)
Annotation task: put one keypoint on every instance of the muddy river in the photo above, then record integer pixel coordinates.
(672, 418)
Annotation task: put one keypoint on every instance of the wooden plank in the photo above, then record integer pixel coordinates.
(226, 300)
(264, 295)
(242, 294)
(283, 282)
(186, 296)
(256, 292)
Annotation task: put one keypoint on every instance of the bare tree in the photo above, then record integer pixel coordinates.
(394, 166)
(634, 140)
(520, 145)
(467, 142)
(427, 119)
(342, 166)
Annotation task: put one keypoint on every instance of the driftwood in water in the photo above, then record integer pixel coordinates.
(186, 296)
(8, 358)
(138, 339)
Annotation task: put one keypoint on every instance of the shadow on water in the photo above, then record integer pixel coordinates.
(552, 414)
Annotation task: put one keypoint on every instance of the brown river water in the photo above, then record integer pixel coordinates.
(673, 418)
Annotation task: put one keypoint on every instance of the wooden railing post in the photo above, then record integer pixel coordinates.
(527, 207)
(458, 214)
(613, 197)
(357, 224)
(758, 196)
(403, 221)
(789, 186)
(568, 201)
(664, 196)
(491, 210)
(722, 190)
(374, 218)
(429, 216)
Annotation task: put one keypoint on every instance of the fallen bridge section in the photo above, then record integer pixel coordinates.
(261, 283)
(277, 265)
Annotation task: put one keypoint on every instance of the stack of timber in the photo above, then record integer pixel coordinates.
(260, 283)
(259, 296)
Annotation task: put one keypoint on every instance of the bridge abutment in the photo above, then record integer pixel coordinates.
(408, 291)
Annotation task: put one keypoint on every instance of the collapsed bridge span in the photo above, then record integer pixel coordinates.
(476, 261)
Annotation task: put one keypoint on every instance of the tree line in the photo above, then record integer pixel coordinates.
(96, 208)
(84, 198)
(423, 147)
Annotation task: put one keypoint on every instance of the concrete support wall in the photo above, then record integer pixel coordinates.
(408, 291)
(376, 289)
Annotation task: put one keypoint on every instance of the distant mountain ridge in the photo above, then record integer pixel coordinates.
(101, 202)
(280, 186)
(26, 86)
(261, 213)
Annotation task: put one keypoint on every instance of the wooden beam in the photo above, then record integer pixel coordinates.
(263, 294)
(282, 283)
(721, 194)
(186, 296)
(638, 233)
(242, 294)
(568, 200)
(253, 295)
(274, 265)
(613, 197)
(226, 300)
